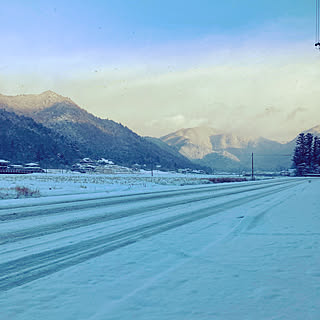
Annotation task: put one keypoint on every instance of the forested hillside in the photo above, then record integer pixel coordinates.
(60, 127)
(23, 140)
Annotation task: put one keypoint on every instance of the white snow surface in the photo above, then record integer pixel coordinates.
(245, 250)
(56, 182)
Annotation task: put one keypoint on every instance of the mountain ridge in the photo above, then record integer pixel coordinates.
(189, 147)
(94, 137)
(314, 130)
(31, 102)
(230, 151)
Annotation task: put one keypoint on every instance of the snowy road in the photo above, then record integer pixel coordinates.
(89, 240)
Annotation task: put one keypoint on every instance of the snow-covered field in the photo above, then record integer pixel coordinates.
(62, 183)
(245, 250)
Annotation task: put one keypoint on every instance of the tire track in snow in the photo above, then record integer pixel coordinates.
(65, 205)
(29, 233)
(24, 270)
(90, 202)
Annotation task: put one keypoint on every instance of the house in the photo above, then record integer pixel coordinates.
(4, 164)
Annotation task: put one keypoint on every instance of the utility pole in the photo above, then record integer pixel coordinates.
(252, 173)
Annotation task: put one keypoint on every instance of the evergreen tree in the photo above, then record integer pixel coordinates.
(308, 139)
(316, 154)
(299, 157)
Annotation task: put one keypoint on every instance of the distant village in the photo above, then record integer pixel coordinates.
(7, 168)
(108, 167)
(86, 165)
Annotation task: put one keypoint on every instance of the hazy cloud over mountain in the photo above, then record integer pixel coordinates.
(247, 67)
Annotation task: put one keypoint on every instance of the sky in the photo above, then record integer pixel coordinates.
(244, 66)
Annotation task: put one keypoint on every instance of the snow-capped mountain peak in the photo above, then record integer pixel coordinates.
(32, 102)
(228, 151)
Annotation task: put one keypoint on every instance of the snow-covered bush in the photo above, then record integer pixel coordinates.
(25, 192)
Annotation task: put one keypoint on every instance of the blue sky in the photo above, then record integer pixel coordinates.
(59, 27)
(173, 63)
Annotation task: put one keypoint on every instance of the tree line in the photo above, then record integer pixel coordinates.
(306, 157)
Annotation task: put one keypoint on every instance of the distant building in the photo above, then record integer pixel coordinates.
(136, 167)
(4, 164)
(33, 167)
(87, 161)
(7, 168)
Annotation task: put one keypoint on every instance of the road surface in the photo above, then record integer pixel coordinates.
(153, 255)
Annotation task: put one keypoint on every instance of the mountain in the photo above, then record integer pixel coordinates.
(28, 103)
(23, 140)
(93, 137)
(315, 130)
(228, 151)
(166, 148)
(194, 143)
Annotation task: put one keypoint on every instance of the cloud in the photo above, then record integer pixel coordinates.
(293, 114)
(172, 123)
(244, 89)
(268, 112)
